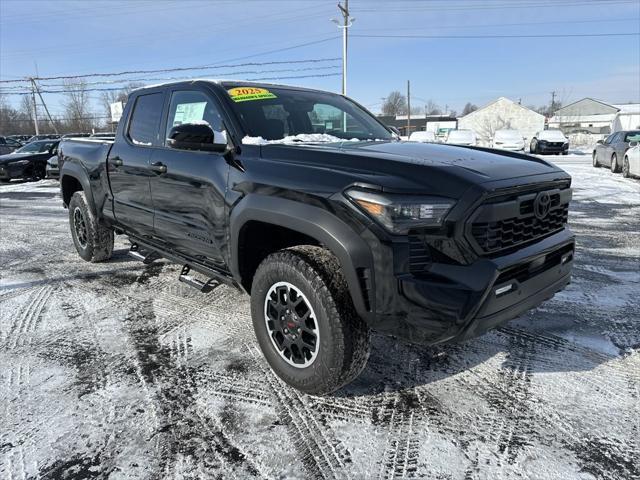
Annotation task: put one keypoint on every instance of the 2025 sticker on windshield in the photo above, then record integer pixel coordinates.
(244, 94)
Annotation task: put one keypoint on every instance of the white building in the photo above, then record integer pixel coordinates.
(502, 114)
(595, 116)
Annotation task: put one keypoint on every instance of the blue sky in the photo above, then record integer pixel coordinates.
(79, 37)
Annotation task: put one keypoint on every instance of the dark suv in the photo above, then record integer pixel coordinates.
(305, 201)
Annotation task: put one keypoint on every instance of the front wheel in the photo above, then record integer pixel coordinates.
(614, 164)
(533, 148)
(596, 164)
(305, 321)
(625, 167)
(93, 241)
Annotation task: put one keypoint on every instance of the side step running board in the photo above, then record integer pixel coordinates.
(150, 257)
(204, 287)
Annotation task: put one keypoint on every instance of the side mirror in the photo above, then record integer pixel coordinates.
(394, 129)
(197, 136)
(600, 142)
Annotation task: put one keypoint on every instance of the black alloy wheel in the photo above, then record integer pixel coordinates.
(80, 227)
(292, 325)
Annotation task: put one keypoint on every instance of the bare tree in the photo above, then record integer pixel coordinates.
(431, 108)
(468, 108)
(77, 109)
(107, 98)
(486, 130)
(395, 104)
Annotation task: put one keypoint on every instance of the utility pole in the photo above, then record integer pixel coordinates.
(35, 87)
(553, 102)
(346, 23)
(35, 107)
(408, 108)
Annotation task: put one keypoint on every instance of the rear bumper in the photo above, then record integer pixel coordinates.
(457, 302)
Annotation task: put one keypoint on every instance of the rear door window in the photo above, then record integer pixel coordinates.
(145, 119)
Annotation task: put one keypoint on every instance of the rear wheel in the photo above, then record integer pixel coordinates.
(596, 164)
(305, 321)
(614, 163)
(93, 241)
(625, 167)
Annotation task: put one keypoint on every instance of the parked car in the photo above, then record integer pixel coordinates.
(46, 136)
(53, 171)
(508, 140)
(8, 145)
(76, 135)
(332, 234)
(462, 137)
(610, 151)
(22, 139)
(104, 135)
(549, 141)
(424, 137)
(28, 162)
(631, 161)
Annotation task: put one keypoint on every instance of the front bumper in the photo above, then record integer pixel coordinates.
(550, 148)
(8, 172)
(456, 302)
(53, 172)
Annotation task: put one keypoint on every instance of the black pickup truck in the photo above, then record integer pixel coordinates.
(305, 201)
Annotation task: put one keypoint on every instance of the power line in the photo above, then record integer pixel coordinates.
(551, 35)
(175, 69)
(124, 81)
(443, 7)
(113, 89)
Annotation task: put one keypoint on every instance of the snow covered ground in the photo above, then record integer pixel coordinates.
(118, 370)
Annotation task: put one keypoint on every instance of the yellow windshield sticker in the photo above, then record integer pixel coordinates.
(244, 94)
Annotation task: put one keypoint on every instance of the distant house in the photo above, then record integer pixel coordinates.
(431, 123)
(500, 114)
(596, 116)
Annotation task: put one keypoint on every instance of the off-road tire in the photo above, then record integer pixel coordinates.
(344, 344)
(625, 167)
(98, 243)
(615, 168)
(596, 164)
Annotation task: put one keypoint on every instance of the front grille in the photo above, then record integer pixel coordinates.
(509, 222)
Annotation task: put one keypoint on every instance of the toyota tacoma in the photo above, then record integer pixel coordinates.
(334, 227)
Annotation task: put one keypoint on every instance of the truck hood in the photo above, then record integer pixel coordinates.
(413, 166)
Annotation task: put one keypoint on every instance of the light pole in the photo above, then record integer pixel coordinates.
(346, 23)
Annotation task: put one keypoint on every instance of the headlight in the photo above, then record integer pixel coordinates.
(21, 162)
(399, 213)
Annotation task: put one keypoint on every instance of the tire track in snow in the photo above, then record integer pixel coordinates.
(25, 321)
(605, 458)
(185, 433)
(322, 457)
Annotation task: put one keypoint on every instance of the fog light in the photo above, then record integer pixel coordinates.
(505, 289)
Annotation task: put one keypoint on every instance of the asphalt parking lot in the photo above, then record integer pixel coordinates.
(118, 370)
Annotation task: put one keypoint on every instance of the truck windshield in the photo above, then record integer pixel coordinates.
(284, 115)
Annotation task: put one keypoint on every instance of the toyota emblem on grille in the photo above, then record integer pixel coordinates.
(541, 205)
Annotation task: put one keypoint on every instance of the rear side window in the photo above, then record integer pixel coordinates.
(145, 119)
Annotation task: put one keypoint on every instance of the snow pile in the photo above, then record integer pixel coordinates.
(300, 138)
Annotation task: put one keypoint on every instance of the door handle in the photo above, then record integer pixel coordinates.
(116, 161)
(159, 167)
